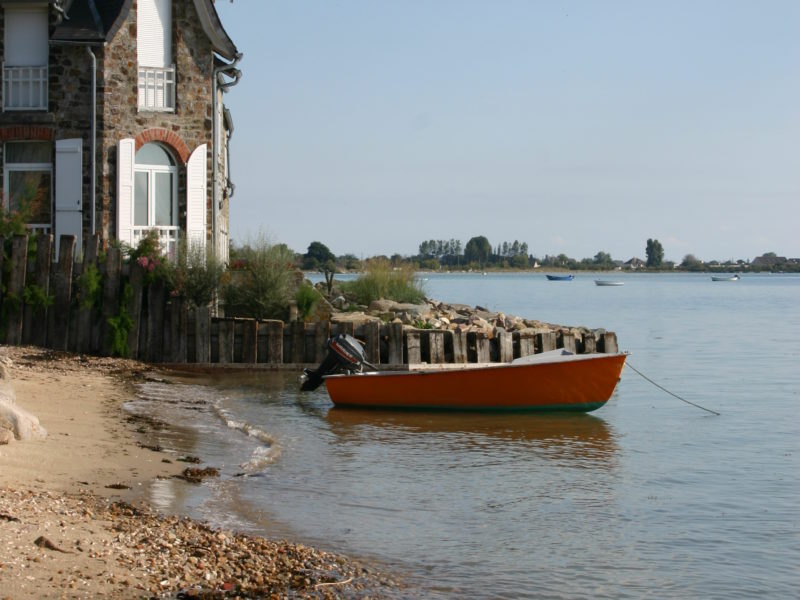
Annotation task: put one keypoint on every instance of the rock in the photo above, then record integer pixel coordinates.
(22, 424)
(382, 305)
(6, 436)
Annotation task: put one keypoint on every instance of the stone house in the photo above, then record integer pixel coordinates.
(113, 120)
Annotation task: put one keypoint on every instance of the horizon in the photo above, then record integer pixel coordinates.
(373, 127)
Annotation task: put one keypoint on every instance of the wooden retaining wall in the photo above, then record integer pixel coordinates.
(165, 330)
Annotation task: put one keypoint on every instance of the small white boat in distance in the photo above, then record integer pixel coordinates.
(606, 282)
(725, 277)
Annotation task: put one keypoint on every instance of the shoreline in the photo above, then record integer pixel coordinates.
(75, 521)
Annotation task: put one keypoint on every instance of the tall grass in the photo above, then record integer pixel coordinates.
(383, 281)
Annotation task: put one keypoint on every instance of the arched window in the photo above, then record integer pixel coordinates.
(155, 196)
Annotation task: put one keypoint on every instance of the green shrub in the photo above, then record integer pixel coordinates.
(306, 298)
(197, 274)
(263, 284)
(382, 281)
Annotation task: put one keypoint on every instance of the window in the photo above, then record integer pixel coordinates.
(155, 195)
(28, 182)
(154, 55)
(25, 61)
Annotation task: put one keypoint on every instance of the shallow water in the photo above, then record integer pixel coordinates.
(647, 496)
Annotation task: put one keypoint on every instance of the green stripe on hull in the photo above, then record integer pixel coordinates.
(560, 408)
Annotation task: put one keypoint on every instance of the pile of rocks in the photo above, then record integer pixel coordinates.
(432, 314)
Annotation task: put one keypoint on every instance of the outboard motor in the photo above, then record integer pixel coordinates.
(345, 354)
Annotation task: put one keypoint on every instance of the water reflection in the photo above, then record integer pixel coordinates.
(585, 439)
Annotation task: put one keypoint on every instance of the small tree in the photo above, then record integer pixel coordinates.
(478, 250)
(655, 253)
(318, 254)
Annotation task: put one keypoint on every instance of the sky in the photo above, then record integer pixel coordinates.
(575, 126)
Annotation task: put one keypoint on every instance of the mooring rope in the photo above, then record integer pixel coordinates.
(661, 387)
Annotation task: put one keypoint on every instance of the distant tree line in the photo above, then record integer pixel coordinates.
(479, 254)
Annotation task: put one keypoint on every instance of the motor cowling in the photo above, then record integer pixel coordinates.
(345, 355)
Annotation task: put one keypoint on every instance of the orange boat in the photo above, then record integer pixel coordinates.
(550, 381)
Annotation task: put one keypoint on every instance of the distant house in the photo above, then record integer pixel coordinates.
(113, 119)
(635, 263)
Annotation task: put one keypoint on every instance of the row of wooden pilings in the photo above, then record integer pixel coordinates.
(164, 330)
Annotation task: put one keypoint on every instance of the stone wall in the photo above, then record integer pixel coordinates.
(118, 117)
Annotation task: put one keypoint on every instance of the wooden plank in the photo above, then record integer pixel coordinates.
(436, 341)
(134, 308)
(372, 339)
(111, 296)
(413, 348)
(44, 257)
(202, 334)
(395, 343)
(225, 340)
(505, 343)
(26, 308)
(249, 341)
(58, 328)
(16, 289)
(459, 346)
(482, 347)
(546, 341)
(298, 337)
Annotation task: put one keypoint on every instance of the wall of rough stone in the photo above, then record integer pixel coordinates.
(117, 108)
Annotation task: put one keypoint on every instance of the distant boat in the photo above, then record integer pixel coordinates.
(560, 277)
(606, 282)
(725, 278)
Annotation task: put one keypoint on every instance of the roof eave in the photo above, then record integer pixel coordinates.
(209, 19)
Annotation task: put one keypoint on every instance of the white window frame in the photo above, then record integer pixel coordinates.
(168, 234)
(8, 168)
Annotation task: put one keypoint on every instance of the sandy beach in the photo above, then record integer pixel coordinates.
(74, 524)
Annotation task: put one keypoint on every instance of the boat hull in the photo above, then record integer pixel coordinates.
(583, 383)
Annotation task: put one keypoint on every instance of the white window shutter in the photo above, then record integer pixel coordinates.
(154, 33)
(126, 158)
(69, 189)
(26, 37)
(196, 194)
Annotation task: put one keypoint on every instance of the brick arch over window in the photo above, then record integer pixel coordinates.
(165, 136)
(26, 133)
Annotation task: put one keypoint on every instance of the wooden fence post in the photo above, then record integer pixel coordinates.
(134, 307)
(36, 319)
(546, 340)
(178, 330)
(505, 343)
(273, 331)
(413, 351)
(610, 342)
(482, 347)
(249, 341)
(527, 343)
(83, 335)
(589, 343)
(226, 328)
(202, 335)
(156, 302)
(57, 328)
(436, 345)
(111, 297)
(459, 346)
(321, 337)
(395, 343)
(568, 342)
(16, 289)
(298, 332)
(372, 337)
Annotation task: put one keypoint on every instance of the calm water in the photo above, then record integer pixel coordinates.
(646, 497)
